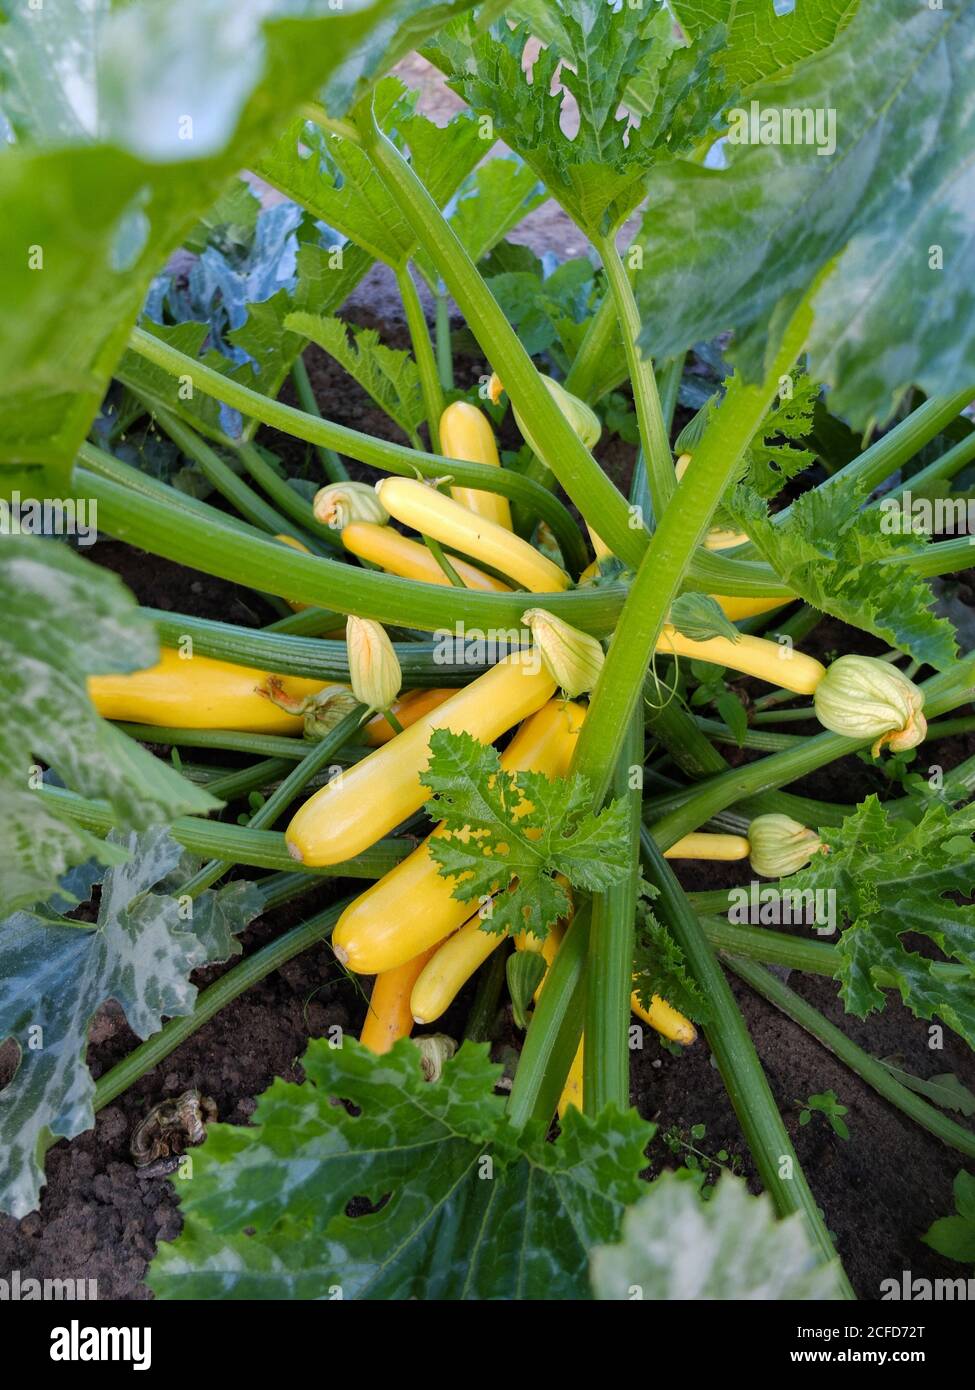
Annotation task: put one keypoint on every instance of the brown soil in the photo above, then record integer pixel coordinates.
(101, 1218)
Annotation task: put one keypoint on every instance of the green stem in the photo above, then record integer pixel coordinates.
(377, 453)
(244, 780)
(685, 811)
(874, 1073)
(209, 1003)
(259, 745)
(649, 413)
(554, 1031)
(437, 551)
(606, 1060)
(490, 982)
(586, 377)
(445, 359)
(317, 756)
(729, 1040)
(292, 505)
(681, 528)
(416, 322)
(249, 503)
(943, 468)
(669, 379)
(216, 548)
(332, 466)
(261, 849)
(562, 450)
(760, 943)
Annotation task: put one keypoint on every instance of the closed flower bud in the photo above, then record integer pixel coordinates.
(373, 667)
(434, 1050)
(321, 712)
(780, 845)
(584, 421)
(862, 697)
(572, 658)
(339, 504)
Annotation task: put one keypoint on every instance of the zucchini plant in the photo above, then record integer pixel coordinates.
(477, 681)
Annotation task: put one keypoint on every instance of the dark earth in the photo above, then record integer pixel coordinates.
(101, 1217)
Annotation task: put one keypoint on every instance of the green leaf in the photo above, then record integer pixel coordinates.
(491, 843)
(833, 555)
(699, 616)
(388, 375)
(954, 1236)
(489, 203)
(758, 41)
(870, 217)
(598, 173)
(677, 1247)
(334, 179)
(64, 620)
(660, 968)
(472, 1210)
(891, 878)
(944, 1090)
(54, 975)
(89, 219)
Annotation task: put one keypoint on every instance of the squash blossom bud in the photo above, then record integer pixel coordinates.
(780, 845)
(862, 697)
(339, 504)
(572, 658)
(321, 711)
(434, 1050)
(373, 668)
(584, 421)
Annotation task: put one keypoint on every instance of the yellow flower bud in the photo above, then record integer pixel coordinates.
(780, 845)
(862, 697)
(572, 658)
(339, 504)
(373, 667)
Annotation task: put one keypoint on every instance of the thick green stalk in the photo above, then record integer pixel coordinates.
(209, 1003)
(950, 463)
(555, 1029)
(259, 745)
(261, 849)
(874, 1073)
(760, 943)
(649, 412)
(606, 1060)
(244, 780)
(332, 466)
(377, 453)
(322, 658)
(317, 756)
(292, 505)
(668, 380)
(416, 322)
(681, 528)
(212, 546)
(738, 1062)
(308, 622)
(562, 450)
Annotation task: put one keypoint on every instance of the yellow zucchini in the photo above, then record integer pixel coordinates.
(424, 509)
(450, 967)
(200, 692)
(388, 1018)
(701, 845)
(665, 1019)
(370, 799)
(413, 905)
(755, 656)
(572, 1090)
(410, 559)
(466, 434)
